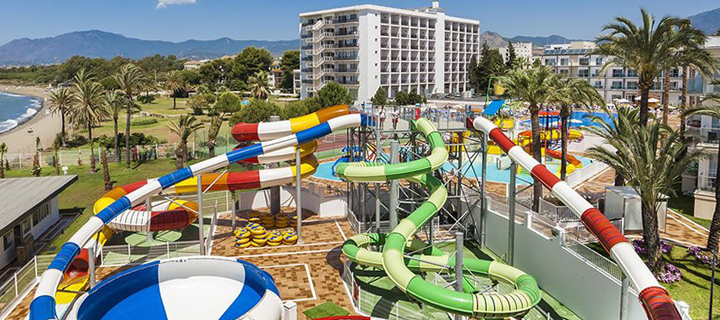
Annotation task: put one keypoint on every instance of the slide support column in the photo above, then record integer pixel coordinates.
(394, 185)
(201, 226)
(91, 265)
(459, 245)
(274, 191)
(378, 153)
(235, 208)
(511, 213)
(298, 196)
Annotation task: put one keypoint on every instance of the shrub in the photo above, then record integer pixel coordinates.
(146, 99)
(256, 111)
(136, 138)
(294, 109)
(143, 121)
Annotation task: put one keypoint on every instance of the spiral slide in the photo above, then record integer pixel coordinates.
(182, 278)
(400, 270)
(655, 299)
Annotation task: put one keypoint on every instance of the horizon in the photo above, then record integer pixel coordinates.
(167, 20)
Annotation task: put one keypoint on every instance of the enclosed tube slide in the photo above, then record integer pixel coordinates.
(655, 299)
(43, 304)
(175, 288)
(392, 260)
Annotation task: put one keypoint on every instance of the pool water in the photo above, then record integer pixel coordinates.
(324, 171)
(578, 119)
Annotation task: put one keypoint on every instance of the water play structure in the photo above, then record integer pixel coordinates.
(470, 302)
(142, 283)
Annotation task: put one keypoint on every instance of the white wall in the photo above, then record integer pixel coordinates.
(369, 45)
(313, 199)
(589, 292)
(52, 218)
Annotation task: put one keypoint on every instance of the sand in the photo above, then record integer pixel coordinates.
(44, 124)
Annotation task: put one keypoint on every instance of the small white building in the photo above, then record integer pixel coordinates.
(522, 50)
(29, 208)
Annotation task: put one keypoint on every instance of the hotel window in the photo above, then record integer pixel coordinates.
(583, 73)
(616, 85)
(632, 73)
(617, 73)
(564, 61)
(599, 61)
(564, 72)
(657, 86)
(584, 61)
(549, 62)
(8, 240)
(673, 85)
(632, 85)
(598, 84)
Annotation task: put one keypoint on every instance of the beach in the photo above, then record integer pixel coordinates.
(44, 124)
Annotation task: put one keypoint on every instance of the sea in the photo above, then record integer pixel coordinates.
(16, 109)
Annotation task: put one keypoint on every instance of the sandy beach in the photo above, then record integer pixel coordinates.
(44, 124)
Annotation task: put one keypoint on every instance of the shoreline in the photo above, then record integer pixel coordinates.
(28, 92)
(45, 125)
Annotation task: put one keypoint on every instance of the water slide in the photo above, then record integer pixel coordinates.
(571, 159)
(654, 298)
(400, 270)
(574, 135)
(185, 279)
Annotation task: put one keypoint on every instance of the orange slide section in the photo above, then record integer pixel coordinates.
(571, 159)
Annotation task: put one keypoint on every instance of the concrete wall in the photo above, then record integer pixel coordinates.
(313, 198)
(590, 292)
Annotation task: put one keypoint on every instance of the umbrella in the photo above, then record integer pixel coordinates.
(622, 101)
(651, 100)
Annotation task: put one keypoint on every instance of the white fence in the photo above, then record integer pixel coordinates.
(21, 282)
(76, 156)
(585, 173)
(127, 254)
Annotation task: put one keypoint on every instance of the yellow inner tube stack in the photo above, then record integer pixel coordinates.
(257, 235)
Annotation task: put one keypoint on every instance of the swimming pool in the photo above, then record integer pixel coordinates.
(324, 171)
(577, 119)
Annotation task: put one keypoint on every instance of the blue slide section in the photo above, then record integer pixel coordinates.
(493, 108)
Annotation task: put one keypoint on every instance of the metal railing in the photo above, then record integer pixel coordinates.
(21, 282)
(127, 254)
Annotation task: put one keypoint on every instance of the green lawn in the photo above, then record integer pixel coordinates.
(685, 205)
(694, 286)
(81, 195)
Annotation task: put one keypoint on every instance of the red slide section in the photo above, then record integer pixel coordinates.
(558, 155)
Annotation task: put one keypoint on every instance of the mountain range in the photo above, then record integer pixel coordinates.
(101, 44)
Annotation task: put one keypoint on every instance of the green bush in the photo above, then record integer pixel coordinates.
(146, 99)
(256, 111)
(294, 109)
(143, 121)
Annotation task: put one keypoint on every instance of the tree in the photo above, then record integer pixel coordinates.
(56, 158)
(717, 33)
(651, 158)
(228, 103)
(289, 62)
(380, 97)
(216, 122)
(61, 102)
(648, 49)
(622, 125)
(569, 92)
(259, 86)
(473, 75)
(250, 61)
(37, 169)
(532, 87)
(200, 102)
(713, 110)
(402, 99)
(216, 72)
(174, 83)
(510, 63)
(131, 81)
(333, 94)
(491, 64)
(106, 170)
(294, 109)
(115, 105)
(88, 107)
(183, 128)
(256, 111)
(3, 151)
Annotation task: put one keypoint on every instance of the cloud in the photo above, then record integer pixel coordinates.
(164, 3)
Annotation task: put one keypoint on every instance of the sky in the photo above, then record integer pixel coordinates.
(178, 20)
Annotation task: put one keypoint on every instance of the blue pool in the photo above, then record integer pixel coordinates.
(578, 119)
(324, 171)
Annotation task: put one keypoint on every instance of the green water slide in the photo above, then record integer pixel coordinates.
(399, 267)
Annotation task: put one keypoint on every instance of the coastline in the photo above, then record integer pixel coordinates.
(44, 124)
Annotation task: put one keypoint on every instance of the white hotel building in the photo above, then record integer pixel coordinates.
(366, 47)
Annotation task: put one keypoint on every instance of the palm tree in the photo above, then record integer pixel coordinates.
(131, 81)
(216, 122)
(106, 170)
(623, 124)
(56, 159)
(115, 105)
(712, 110)
(174, 82)
(61, 101)
(568, 92)
(3, 151)
(532, 86)
(259, 87)
(693, 56)
(648, 49)
(651, 158)
(87, 107)
(183, 128)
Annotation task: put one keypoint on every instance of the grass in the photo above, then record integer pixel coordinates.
(80, 196)
(685, 205)
(693, 287)
(327, 309)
